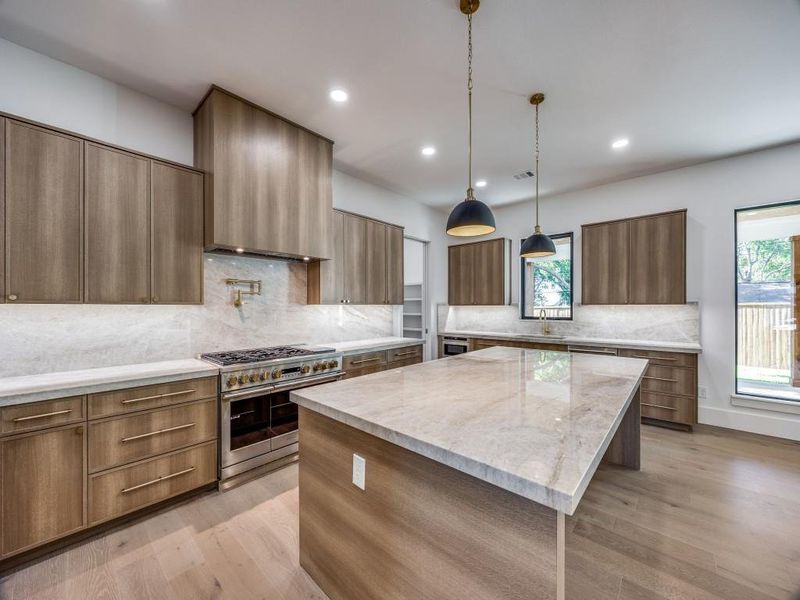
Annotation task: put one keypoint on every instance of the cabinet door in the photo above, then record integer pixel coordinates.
(43, 486)
(117, 226)
(490, 273)
(177, 216)
(44, 215)
(658, 259)
(604, 267)
(314, 195)
(355, 270)
(376, 260)
(394, 268)
(460, 274)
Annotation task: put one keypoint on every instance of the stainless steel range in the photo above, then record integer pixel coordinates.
(258, 421)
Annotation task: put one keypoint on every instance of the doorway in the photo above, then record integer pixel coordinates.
(416, 311)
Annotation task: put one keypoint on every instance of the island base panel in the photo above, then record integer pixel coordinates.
(420, 529)
(625, 446)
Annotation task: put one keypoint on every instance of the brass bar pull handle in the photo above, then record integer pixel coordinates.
(157, 396)
(43, 415)
(156, 480)
(655, 357)
(158, 432)
(661, 379)
(406, 353)
(658, 406)
(365, 360)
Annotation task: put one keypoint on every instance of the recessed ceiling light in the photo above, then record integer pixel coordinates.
(620, 143)
(480, 183)
(239, 250)
(428, 151)
(339, 95)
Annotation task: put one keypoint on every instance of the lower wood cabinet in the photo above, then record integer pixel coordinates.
(42, 487)
(356, 365)
(480, 343)
(70, 463)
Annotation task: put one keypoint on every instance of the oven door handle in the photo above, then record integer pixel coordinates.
(296, 385)
(244, 394)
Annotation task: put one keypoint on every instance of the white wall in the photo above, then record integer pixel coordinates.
(710, 192)
(37, 87)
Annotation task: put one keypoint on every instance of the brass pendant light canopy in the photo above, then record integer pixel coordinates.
(537, 245)
(470, 217)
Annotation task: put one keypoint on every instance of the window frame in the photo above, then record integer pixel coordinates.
(522, 315)
(736, 212)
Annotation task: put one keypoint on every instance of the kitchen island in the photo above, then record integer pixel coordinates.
(471, 464)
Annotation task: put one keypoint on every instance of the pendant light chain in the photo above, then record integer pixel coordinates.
(537, 166)
(469, 100)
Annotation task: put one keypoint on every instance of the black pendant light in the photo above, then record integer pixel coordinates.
(470, 217)
(537, 245)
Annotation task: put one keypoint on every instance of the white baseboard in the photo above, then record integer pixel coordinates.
(764, 422)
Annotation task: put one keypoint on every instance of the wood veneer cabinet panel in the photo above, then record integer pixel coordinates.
(117, 201)
(270, 180)
(177, 235)
(2, 210)
(461, 274)
(43, 486)
(40, 415)
(128, 400)
(658, 259)
(490, 272)
(376, 263)
(44, 215)
(354, 267)
(326, 277)
(395, 264)
(605, 263)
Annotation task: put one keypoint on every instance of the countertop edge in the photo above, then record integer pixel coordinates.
(628, 344)
(380, 347)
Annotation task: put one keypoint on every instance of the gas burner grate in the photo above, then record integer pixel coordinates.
(242, 357)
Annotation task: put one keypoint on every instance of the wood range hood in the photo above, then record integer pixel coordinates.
(268, 180)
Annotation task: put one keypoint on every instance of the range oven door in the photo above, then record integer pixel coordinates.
(258, 421)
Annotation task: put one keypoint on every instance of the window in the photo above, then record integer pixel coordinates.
(765, 300)
(547, 282)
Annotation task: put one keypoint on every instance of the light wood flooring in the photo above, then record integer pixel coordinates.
(712, 515)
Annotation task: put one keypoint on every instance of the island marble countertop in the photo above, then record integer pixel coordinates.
(533, 422)
(689, 347)
(374, 344)
(44, 386)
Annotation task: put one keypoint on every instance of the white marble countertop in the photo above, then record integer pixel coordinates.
(579, 341)
(374, 344)
(44, 386)
(533, 422)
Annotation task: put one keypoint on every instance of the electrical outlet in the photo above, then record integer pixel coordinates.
(359, 471)
(701, 391)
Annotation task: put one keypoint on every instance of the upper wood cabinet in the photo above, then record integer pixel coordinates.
(604, 263)
(479, 273)
(82, 221)
(269, 189)
(635, 261)
(43, 478)
(44, 215)
(367, 264)
(177, 244)
(117, 204)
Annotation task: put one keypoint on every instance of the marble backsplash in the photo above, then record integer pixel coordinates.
(60, 337)
(678, 323)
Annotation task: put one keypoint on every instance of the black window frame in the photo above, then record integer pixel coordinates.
(522, 315)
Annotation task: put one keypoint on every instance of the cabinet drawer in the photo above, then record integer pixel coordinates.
(667, 359)
(38, 415)
(361, 361)
(670, 380)
(126, 489)
(480, 344)
(404, 354)
(124, 440)
(676, 409)
(375, 368)
(152, 396)
(404, 363)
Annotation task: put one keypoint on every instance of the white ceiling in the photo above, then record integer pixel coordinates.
(685, 80)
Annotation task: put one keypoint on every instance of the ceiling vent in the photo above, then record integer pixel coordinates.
(524, 175)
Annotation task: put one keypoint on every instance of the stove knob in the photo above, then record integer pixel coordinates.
(242, 379)
(332, 364)
(305, 370)
(317, 367)
(276, 374)
(264, 375)
(232, 381)
(253, 378)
